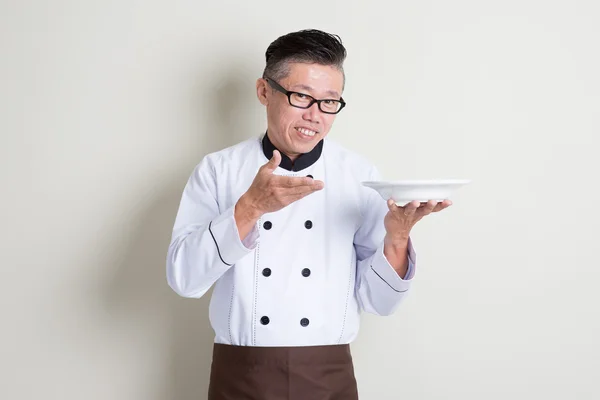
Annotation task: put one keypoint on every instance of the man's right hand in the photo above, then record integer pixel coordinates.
(270, 193)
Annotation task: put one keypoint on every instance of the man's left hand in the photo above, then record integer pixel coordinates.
(399, 221)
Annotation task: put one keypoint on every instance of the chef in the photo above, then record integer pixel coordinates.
(295, 247)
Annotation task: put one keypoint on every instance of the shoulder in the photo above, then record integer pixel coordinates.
(236, 152)
(228, 157)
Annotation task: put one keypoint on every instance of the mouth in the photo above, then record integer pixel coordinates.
(306, 131)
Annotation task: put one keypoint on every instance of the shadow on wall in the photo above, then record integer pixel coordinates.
(139, 288)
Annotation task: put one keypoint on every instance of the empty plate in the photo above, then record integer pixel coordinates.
(403, 192)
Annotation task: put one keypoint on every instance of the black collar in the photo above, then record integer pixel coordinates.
(303, 161)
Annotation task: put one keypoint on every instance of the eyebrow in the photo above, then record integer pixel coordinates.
(308, 88)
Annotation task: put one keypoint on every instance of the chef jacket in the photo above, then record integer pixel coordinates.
(304, 273)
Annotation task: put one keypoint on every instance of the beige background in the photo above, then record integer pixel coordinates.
(106, 107)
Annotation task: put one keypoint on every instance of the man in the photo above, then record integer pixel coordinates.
(294, 245)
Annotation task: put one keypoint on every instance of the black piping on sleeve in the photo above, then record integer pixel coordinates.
(397, 291)
(216, 244)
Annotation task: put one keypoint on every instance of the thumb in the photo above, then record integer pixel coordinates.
(391, 204)
(274, 161)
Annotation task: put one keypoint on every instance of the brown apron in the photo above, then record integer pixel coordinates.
(282, 373)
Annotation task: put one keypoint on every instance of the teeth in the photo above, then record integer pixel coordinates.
(306, 132)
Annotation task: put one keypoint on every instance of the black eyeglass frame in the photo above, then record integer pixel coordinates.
(289, 94)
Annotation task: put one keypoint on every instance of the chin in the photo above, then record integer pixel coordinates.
(306, 147)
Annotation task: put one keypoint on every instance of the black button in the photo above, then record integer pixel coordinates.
(306, 272)
(308, 224)
(304, 322)
(267, 225)
(267, 272)
(310, 176)
(264, 320)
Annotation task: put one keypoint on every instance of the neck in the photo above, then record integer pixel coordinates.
(289, 160)
(292, 156)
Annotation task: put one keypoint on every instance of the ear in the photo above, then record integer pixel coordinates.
(261, 91)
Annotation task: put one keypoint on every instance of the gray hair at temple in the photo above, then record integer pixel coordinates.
(306, 46)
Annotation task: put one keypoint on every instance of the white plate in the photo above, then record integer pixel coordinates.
(403, 192)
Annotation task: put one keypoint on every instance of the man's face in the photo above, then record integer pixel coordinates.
(290, 128)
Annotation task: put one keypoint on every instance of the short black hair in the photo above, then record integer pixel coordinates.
(305, 46)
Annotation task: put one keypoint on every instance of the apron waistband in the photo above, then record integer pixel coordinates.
(254, 355)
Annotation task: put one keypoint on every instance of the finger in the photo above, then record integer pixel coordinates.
(392, 206)
(289, 181)
(428, 207)
(442, 205)
(318, 185)
(411, 208)
(294, 182)
(293, 195)
(274, 161)
(302, 190)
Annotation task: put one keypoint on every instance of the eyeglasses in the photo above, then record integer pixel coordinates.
(301, 100)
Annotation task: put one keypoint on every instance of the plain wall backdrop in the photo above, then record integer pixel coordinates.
(107, 106)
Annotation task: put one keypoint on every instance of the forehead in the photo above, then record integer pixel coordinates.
(315, 79)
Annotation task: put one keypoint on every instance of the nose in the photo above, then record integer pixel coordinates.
(312, 113)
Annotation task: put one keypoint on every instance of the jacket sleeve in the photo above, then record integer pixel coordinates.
(379, 288)
(205, 242)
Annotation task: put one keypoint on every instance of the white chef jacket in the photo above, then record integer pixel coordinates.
(304, 273)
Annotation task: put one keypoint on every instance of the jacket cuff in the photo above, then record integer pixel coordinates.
(381, 267)
(227, 240)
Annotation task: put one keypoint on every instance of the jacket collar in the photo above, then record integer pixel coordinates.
(303, 161)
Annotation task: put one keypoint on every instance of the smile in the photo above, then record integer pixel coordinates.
(306, 132)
